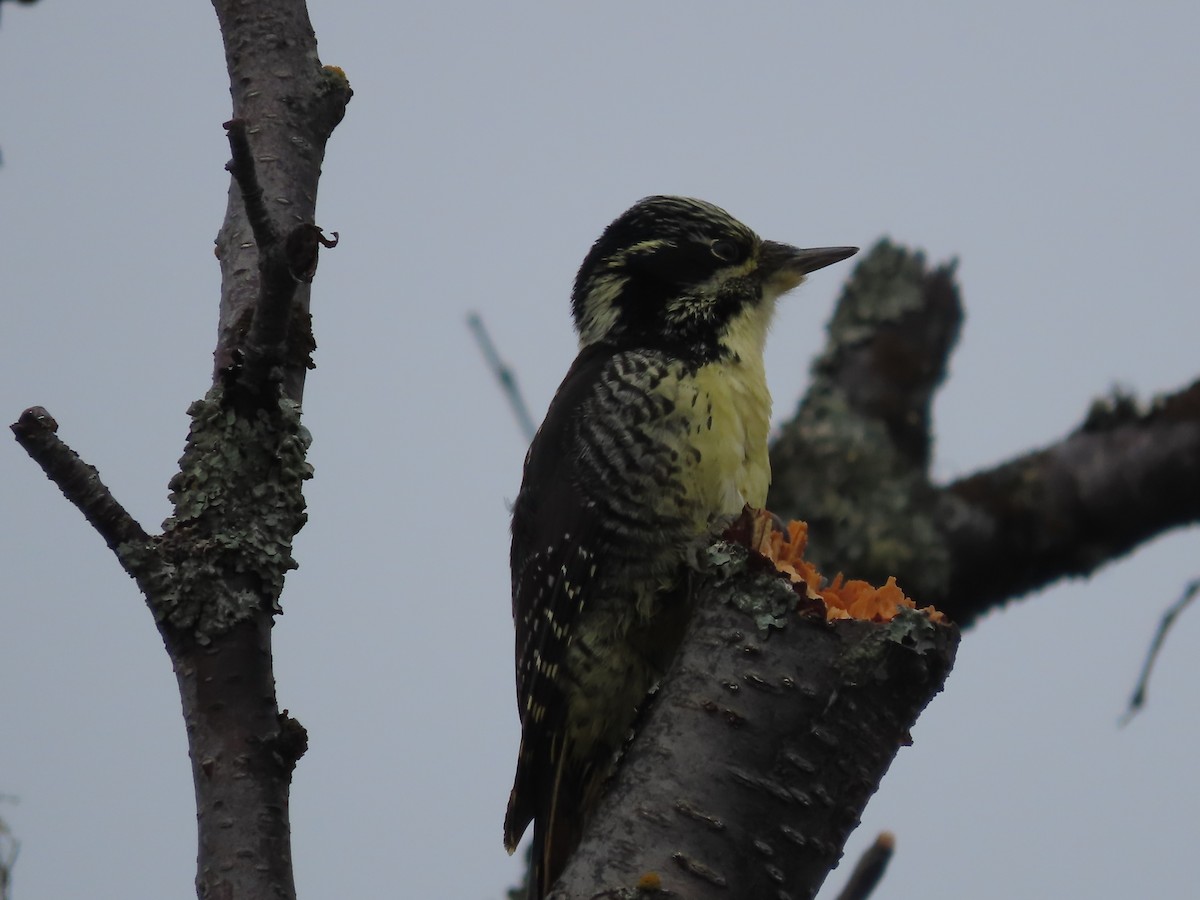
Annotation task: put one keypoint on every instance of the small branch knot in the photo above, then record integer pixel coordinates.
(292, 741)
(301, 251)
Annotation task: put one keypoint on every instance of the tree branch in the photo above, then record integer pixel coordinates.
(868, 872)
(759, 751)
(854, 463)
(35, 431)
(1119, 480)
(283, 265)
(504, 375)
(263, 345)
(241, 167)
(213, 578)
(288, 105)
(1138, 700)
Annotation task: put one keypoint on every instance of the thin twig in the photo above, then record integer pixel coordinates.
(1138, 700)
(241, 166)
(504, 374)
(871, 866)
(79, 482)
(10, 849)
(264, 347)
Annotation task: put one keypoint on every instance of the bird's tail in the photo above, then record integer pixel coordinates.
(556, 806)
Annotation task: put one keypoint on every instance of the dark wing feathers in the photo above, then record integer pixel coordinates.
(554, 540)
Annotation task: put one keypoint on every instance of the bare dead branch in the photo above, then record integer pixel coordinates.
(1138, 700)
(80, 483)
(757, 753)
(868, 872)
(854, 461)
(213, 578)
(289, 105)
(10, 849)
(241, 166)
(1119, 480)
(283, 265)
(504, 375)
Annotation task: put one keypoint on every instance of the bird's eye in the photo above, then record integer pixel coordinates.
(724, 250)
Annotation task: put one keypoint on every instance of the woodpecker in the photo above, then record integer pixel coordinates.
(657, 435)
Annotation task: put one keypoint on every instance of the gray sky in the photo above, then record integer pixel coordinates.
(1051, 147)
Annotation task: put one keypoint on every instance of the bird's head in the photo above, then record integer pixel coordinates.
(684, 276)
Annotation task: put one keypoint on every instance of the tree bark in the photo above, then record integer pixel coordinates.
(213, 577)
(854, 462)
(759, 751)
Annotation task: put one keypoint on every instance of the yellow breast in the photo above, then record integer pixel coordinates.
(732, 414)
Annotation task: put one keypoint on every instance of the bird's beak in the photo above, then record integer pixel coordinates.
(783, 266)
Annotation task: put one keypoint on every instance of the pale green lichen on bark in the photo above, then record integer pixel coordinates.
(721, 560)
(869, 507)
(914, 629)
(873, 494)
(888, 284)
(766, 598)
(238, 505)
(911, 629)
